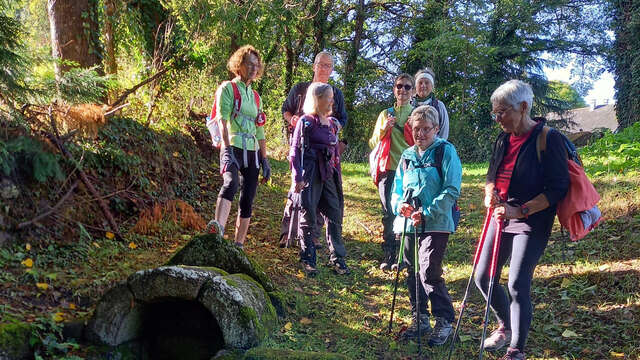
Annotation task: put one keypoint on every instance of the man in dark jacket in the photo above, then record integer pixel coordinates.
(292, 111)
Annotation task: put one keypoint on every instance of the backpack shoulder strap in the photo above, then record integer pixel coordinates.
(435, 104)
(237, 99)
(256, 97)
(541, 142)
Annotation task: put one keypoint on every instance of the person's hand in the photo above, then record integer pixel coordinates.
(299, 186)
(293, 120)
(505, 211)
(416, 216)
(266, 170)
(491, 199)
(406, 210)
(389, 122)
(228, 160)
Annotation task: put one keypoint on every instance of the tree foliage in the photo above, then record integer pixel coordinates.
(561, 91)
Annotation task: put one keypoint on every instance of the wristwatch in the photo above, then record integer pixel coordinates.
(524, 210)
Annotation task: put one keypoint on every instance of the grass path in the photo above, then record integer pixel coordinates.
(587, 302)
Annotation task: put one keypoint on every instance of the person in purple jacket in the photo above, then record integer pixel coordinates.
(315, 163)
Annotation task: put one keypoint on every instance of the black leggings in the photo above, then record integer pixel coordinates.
(249, 183)
(525, 251)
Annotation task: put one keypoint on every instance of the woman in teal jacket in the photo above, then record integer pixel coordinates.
(432, 171)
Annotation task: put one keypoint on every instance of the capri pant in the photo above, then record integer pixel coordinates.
(248, 182)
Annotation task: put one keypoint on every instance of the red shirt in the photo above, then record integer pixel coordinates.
(503, 177)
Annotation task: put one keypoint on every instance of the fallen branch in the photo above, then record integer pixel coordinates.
(50, 211)
(364, 226)
(136, 87)
(113, 110)
(83, 177)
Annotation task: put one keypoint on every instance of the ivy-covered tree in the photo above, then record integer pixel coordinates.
(625, 61)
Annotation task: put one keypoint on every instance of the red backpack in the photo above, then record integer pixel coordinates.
(581, 196)
(379, 156)
(213, 120)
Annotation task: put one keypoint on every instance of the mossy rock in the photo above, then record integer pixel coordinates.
(14, 341)
(279, 302)
(213, 250)
(284, 354)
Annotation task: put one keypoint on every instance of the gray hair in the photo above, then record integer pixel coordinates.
(425, 113)
(315, 91)
(513, 93)
(321, 54)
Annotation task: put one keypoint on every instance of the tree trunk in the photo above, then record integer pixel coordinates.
(72, 25)
(111, 66)
(350, 82)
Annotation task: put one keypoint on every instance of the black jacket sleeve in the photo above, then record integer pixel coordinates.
(339, 110)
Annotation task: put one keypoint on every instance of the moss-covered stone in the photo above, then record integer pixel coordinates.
(14, 340)
(284, 354)
(279, 301)
(213, 250)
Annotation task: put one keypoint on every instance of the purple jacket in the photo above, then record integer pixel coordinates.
(320, 149)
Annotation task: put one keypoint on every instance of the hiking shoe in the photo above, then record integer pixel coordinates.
(309, 269)
(498, 339)
(214, 227)
(441, 332)
(340, 267)
(513, 354)
(388, 262)
(412, 331)
(239, 245)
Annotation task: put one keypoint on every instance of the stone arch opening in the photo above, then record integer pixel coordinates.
(174, 328)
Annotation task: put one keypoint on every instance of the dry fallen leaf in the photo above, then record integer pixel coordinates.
(132, 245)
(58, 317)
(27, 262)
(109, 235)
(305, 321)
(565, 283)
(568, 333)
(42, 286)
(27, 246)
(287, 326)
(603, 267)
(616, 354)
(176, 154)
(96, 244)
(72, 306)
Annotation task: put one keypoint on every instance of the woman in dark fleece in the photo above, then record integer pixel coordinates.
(523, 193)
(315, 164)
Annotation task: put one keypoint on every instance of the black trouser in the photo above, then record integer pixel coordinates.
(327, 198)
(249, 182)
(385, 185)
(525, 251)
(430, 254)
(285, 224)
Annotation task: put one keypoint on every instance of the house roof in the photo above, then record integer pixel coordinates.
(585, 119)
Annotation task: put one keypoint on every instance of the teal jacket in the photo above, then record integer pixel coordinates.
(436, 195)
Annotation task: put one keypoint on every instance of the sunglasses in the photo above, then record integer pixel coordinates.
(405, 86)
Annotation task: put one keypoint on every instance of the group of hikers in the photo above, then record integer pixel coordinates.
(418, 183)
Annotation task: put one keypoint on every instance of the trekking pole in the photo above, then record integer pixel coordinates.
(483, 235)
(416, 274)
(492, 272)
(408, 195)
(294, 218)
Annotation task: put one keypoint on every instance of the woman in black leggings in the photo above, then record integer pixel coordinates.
(523, 192)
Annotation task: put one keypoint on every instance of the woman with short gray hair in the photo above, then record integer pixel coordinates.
(523, 191)
(315, 164)
(432, 171)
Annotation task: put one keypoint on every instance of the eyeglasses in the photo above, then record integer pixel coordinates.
(498, 114)
(407, 87)
(325, 66)
(423, 130)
